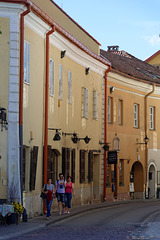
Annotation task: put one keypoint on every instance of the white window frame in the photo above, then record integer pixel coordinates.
(60, 82)
(109, 110)
(136, 115)
(95, 104)
(120, 112)
(85, 103)
(69, 87)
(152, 118)
(26, 62)
(51, 77)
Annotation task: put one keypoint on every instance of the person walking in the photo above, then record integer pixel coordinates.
(60, 188)
(49, 190)
(69, 189)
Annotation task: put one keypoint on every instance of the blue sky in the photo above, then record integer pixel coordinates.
(134, 25)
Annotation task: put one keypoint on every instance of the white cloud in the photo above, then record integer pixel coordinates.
(153, 40)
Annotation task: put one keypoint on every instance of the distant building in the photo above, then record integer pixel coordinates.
(154, 60)
(133, 116)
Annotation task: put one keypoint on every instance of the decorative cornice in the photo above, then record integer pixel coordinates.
(58, 41)
(132, 84)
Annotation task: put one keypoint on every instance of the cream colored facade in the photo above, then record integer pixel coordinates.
(64, 115)
(131, 154)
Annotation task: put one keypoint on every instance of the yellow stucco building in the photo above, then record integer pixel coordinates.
(133, 129)
(52, 83)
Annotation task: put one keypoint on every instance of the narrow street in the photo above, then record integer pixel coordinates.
(136, 220)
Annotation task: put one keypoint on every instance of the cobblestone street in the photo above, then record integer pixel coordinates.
(134, 220)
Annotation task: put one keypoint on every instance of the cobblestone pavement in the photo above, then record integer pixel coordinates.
(149, 230)
(79, 233)
(117, 221)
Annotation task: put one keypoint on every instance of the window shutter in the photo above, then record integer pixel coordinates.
(34, 156)
(63, 161)
(82, 166)
(24, 165)
(49, 153)
(54, 171)
(90, 166)
(68, 162)
(73, 166)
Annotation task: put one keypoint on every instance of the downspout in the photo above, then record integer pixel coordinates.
(21, 95)
(105, 133)
(46, 104)
(146, 131)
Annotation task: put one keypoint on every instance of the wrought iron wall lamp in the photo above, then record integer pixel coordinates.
(76, 139)
(57, 136)
(105, 147)
(3, 120)
(87, 70)
(145, 139)
(63, 53)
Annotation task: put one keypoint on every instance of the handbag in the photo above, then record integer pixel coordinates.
(43, 195)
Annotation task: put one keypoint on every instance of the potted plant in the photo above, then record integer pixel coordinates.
(18, 210)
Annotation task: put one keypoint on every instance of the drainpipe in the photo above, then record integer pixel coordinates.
(146, 147)
(46, 104)
(105, 134)
(21, 95)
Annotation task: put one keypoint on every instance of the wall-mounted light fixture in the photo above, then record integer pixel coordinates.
(145, 139)
(87, 70)
(105, 147)
(111, 89)
(63, 53)
(3, 120)
(57, 136)
(76, 139)
(86, 139)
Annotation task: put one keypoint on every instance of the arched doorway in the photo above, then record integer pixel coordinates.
(137, 179)
(151, 179)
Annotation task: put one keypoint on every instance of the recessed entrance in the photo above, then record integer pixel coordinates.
(137, 179)
(151, 179)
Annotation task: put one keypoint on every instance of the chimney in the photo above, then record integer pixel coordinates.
(113, 48)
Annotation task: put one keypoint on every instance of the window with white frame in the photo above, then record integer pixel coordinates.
(110, 109)
(85, 102)
(69, 87)
(60, 82)
(95, 104)
(26, 62)
(120, 112)
(136, 115)
(51, 77)
(152, 118)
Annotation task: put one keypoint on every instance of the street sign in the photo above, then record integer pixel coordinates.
(112, 157)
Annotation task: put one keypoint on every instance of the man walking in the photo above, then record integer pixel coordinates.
(60, 188)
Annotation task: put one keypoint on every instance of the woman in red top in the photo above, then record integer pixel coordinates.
(69, 189)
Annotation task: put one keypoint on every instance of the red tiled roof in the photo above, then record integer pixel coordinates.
(131, 66)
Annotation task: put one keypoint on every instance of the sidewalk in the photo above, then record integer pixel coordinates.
(33, 224)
